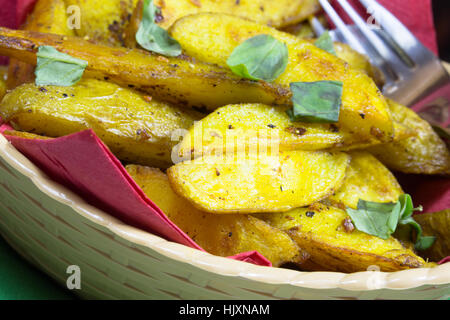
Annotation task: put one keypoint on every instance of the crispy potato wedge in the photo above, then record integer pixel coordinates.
(436, 224)
(238, 127)
(25, 135)
(177, 80)
(102, 21)
(223, 235)
(360, 62)
(367, 179)
(3, 77)
(325, 233)
(136, 130)
(212, 38)
(274, 13)
(47, 16)
(424, 153)
(252, 182)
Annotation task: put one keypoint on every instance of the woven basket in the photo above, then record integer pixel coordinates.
(53, 228)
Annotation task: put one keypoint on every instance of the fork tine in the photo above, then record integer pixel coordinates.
(346, 33)
(397, 31)
(377, 43)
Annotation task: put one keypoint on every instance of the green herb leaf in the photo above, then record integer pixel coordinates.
(154, 38)
(57, 68)
(382, 219)
(377, 219)
(325, 42)
(316, 101)
(259, 58)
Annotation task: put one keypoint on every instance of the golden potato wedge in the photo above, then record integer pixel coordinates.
(252, 182)
(274, 13)
(213, 37)
(436, 224)
(360, 62)
(367, 179)
(102, 21)
(333, 244)
(3, 77)
(424, 153)
(25, 135)
(135, 129)
(47, 16)
(178, 80)
(238, 127)
(223, 235)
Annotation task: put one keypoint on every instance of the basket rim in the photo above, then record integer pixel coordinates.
(359, 281)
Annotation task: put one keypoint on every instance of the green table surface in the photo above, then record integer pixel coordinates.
(19, 280)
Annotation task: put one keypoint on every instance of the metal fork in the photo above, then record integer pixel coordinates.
(412, 71)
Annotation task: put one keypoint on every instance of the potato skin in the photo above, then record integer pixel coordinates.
(3, 77)
(103, 21)
(274, 13)
(367, 179)
(218, 234)
(47, 16)
(247, 183)
(319, 230)
(212, 38)
(436, 224)
(134, 129)
(423, 153)
(178, 80)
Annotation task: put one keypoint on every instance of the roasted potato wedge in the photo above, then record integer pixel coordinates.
(367, 179)
(223, 235)
(234, 128)
(436, 224)
(326, 233)
(360, 62)
(25, 135)
(252, 182)
(177, 80)
(47, 16)
(423, 153)
(103, 21)
(136, 130)
(274, 13)
(3, 77)
(212, 38)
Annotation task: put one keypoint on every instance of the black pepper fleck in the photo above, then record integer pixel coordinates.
(310, 214)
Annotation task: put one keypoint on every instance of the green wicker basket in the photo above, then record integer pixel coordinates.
(53, 228)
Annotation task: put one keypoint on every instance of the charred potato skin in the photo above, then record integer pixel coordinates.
(320, 231)
(364, 110)
(134, 129)
(103, 21)
(218, 234)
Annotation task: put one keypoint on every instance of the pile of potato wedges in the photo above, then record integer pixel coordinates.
(218, 153)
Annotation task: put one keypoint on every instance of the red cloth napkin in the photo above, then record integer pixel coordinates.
(83, 163)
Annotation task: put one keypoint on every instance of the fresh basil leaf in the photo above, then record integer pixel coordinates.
(259, 58)
(316, 101)
(422, 243)
(377, 219)
(154, 38)
(325, 42)
(57, 68)
(383, 219)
